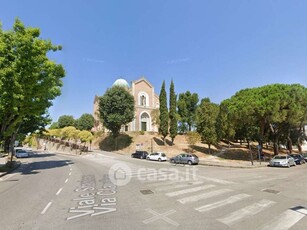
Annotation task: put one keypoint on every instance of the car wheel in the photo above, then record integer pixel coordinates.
(173, 161)
(289, 165)
(159, 159)
(189, 162)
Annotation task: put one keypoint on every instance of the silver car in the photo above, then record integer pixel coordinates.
(185, 158)
(282, 160)
(21, 153)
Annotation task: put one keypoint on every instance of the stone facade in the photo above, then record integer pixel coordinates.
(146, 100)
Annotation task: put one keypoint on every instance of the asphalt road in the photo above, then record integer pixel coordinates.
(110, 191)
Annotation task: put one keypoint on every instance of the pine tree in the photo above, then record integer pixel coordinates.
(163, 128)
(172, 113)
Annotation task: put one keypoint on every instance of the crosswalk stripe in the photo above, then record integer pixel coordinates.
(230, 200)
(219, 181)
(189, 190)
(179, 186)
(250, 210)
(155, 183)
(203, 196)
(284, 221)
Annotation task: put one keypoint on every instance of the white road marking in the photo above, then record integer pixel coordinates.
(66, 180)
(189, 190)
(248, 211)
(284, 221)
(162, 182)
(58, 192)
(179, 186)
(70, 169)
(230, 200)
(203, 196)
(69, 174)
(161, 216)
(219, 181)
(46, 208)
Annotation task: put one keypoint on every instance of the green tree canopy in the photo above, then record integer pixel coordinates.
(173, 129)
(271, 108)
(206, 116)
(187, 105)
(85, 122)
(116, 108)
(163, 128)
(29, 81)
(66, 120)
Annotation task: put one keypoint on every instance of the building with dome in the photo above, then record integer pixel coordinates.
(146, 100)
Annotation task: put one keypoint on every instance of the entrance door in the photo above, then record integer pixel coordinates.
(144, 126)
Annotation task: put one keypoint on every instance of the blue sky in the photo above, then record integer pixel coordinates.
(213, 48)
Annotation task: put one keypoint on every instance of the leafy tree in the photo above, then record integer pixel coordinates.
(172, 113)
(85, 122)
(269, 107)
(116, 108)
(187, 105)
(163, 128)
(86, 136)
(68, 132)
(206, 116)
(224, 126)
(29, 81)
(65, 121)
(193, 138)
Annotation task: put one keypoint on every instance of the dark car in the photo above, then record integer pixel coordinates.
(185, 158)
(298, 158)
(140, 154)
(305, 156)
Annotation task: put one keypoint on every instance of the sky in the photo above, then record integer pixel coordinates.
(210, 47)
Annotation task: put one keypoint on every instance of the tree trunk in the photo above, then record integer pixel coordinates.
(289, 144)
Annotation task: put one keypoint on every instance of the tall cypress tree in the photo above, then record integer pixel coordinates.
(172, 112)
(163, 128)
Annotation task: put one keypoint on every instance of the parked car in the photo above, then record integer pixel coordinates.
(185, 158)
(305, 156)
(282, 160)
(140, 154)
(21, 153)
(159, 156)
(298, 158)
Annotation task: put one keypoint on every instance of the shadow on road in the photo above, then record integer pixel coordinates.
(37, 167)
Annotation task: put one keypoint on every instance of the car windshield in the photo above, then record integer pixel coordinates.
(280, 157)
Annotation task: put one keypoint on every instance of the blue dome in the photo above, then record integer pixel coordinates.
(121, 82)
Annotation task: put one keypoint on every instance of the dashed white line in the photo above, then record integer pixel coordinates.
(66, 180)
(58, 192)
(69, 174)
(46, 208)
